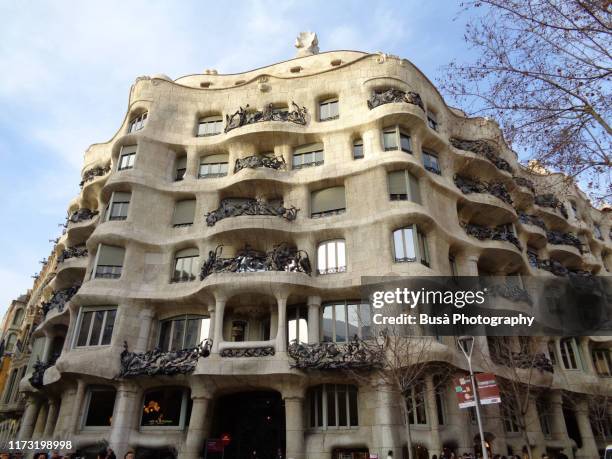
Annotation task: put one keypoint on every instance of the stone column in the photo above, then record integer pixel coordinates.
(29, 418)
(77, 407)
(281, 332)
(41, 421)
(534, 429)
(198, 425)
(146, 321)
(218, 324)
(467, 264)
(589, 446)
(314, 307)
(124, 417)
(585, 353)
(435, 445)
(294, 425)
(558, 427)
(51, 419)
(46, 353)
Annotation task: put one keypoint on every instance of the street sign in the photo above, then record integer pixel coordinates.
(465, 394)
(488, 390)
(214, 445)
(226, 439)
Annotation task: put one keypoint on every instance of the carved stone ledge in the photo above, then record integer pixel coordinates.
(156, 362)
(393, 95)
(353, 355)
(243, 116)
(234, 207)
(256, 161)
(482, 148)
(248, 352)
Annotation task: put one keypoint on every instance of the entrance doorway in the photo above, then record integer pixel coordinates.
(255, 422)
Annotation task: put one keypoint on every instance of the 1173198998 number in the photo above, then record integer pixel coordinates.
(38, 444)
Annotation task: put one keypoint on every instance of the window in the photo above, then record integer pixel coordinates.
(358, 149)
(297, 324)
(545, 415)
(601, 361)
(440, 389)
(430, 162)
(211, 125)
(326, 202)
(403, 186)
(100, 404)
(569, 351)
(410, 244)
(184, 332)
(180, 169)
(574, 209)
(137, 122)
(119, 205)
(95, 326)
(432, 120)
(239, 330)
(10, 342)
(185, 265)
(395, 139)
(10, 386)
(212, 166)
(127, 157)
(18, 317)
(109, 262)
(342, 321)
(511, 424)
(328, 110)
(184, 212)
(331, 257)
(166, 407)
(308, 156)
(333, 406)
(552, 354)
(597, 231)
(415, 404)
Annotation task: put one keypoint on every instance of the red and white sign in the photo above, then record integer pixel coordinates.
(488, 391)
(465, 394)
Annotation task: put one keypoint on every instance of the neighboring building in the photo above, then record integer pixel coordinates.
(384, 175)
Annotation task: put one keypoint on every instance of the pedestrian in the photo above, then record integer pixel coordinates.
(129, 455)
(110, 454)
(102, 454)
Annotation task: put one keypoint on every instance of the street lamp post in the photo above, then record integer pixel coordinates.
(466, 344)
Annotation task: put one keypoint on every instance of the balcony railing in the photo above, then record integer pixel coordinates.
(521, 181)
(280, 258)
(36, 380)
(157, 362)
(59, 299)
(394, 96)
(525, 361)
(82, 215)
(532, 220)
(235, 207)
(482, 148)
(356, 354)
(559, 238)
(500, 233)
(265, 351)
(510, 292)
(72, 252)
(469, 185)
(243, 116)
(257, 161)
(549, 200)
(94, 172)
(328, 213)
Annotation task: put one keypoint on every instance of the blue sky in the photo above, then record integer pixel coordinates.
(66, 68)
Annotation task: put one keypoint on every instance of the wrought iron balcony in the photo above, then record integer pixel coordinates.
(532, 220)
(82, 215)
(72, 252)
(521, 181)
(510, 292)
(235, 207)
(558, 238)
(280, 258)
(356, 354)
(59, 299)
(549, 200)
(500, 233)
(525, 361)
(392, 95)
(256, 161)
(469, 185)
(156, 362)
(265, 351)
(482, 148)
(36, 380)
(243, 116)
(94, 172)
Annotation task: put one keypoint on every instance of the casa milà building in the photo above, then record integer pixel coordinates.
(231, 215)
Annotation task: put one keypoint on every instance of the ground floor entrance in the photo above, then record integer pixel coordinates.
(255, 422)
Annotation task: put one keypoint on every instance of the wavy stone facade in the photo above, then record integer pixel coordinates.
(144, 237)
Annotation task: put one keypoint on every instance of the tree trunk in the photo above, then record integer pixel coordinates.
(408, 432)
(527, 444)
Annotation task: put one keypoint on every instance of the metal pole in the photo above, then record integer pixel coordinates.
(485, 453)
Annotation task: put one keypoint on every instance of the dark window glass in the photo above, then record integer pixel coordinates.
(100, 409)
(162, 407)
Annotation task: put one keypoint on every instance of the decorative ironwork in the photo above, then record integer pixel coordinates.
(357, 354)
(243, 116)
(72, 252)
(468, 186)
(235, 207)
(522, 181)
(558, 238)
(532, 220)
(82, 215)
(36, 380)
(549, 200)
(482, 148)
(248, 352)
(500, 233)
(393, 95)
(94, 172)
(255, 161)
(280, 258)
(526, 360)
(59, 299)
(510, 292)
(156, 362)
(553, 266)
